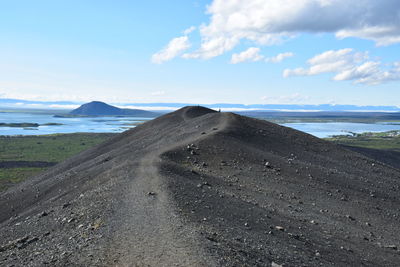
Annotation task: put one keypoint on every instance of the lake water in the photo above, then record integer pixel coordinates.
(120, 124)
(69, 125)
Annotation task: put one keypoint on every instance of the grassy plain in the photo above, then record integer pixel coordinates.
(19, 153)
(384, 141)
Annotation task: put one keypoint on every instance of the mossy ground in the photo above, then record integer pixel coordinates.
(45, 148)
(386, 141)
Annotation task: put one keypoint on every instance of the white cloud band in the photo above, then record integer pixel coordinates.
(251, 54)
(348, 65)
(280, 57)
(174, 48)
(267, 22)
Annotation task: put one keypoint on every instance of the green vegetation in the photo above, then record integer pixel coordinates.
(10, 176)
(386, 140)
(46, 148)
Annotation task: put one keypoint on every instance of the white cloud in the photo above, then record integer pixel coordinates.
(214, 47)
(267, 22)
(348, 65)
(280, 57)
(370, 73)
(329, 61)
(189, 30)
(382, 35)
(251, 54)
(175, 47)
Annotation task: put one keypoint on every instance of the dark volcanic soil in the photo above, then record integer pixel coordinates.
(203, 188)
(389, 157)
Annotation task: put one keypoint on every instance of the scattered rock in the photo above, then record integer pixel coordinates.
(203, 184)
(19, 243)
(212, 238)
(394, 247)
(43, 214)
(33, 239)
(96, 224)
(65, 205)
(46, 234)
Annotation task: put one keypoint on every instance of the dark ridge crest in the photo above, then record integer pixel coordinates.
(191, 112)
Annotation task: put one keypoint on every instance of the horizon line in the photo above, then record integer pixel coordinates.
(174, 104)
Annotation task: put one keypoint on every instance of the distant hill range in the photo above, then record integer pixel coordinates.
(34, 104)
(97, 108)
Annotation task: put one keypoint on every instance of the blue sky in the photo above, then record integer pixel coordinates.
(124, 51)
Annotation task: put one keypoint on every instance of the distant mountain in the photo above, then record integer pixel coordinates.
(97, 108)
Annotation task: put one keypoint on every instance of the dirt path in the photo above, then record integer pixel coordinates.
(152, 233)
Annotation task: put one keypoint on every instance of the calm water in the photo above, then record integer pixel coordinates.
(115, 124)
(70, 125)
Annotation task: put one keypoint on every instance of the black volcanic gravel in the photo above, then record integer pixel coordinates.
(202, 188)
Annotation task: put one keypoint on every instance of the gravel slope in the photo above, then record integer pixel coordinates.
(203, 188)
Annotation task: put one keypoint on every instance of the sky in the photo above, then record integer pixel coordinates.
(215, 51)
